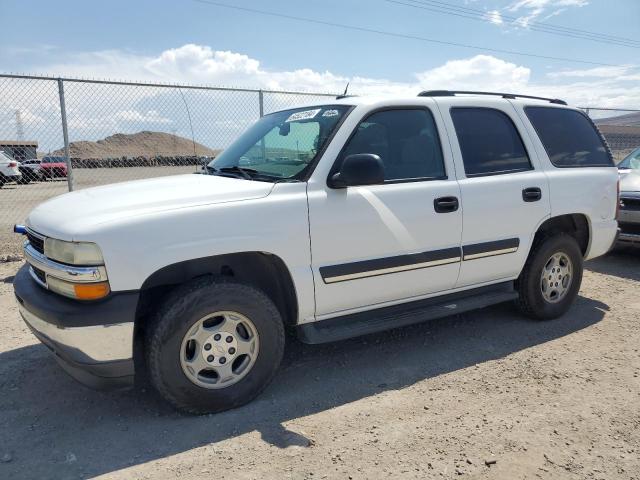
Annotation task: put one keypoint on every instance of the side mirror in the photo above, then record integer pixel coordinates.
(284, 129)
(359, 169)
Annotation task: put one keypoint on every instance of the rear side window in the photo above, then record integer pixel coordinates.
(489, 142)
(569, 137)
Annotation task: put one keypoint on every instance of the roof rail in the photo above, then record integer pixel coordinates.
(452, 93)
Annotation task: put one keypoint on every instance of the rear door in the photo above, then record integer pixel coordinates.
(504, 193)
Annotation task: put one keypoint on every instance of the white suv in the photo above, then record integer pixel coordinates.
(353, 217)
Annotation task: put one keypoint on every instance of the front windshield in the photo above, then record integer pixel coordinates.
(280, 145)
(632, 161)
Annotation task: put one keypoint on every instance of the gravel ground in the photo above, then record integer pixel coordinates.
(487, 395)
(18, 200)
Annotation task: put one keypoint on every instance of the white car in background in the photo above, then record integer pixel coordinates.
(629, 215)
(30, 170)
(9, 171)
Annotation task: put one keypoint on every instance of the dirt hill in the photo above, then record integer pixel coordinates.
(141, 144)
(631, 119)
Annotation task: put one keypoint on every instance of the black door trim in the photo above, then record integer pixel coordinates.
(489, 249)
(383, 266)
(414, 261)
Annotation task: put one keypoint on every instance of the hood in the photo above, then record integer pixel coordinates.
(630, 180)
(65, 215)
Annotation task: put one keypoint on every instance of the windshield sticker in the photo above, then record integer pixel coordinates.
(330, 113)
(305, 115)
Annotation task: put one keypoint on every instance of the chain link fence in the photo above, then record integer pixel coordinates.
(70, 134)
(620, 126)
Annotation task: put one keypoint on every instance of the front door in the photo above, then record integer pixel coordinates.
(393, 242)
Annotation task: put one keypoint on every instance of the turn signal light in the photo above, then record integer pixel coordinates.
(91, 291)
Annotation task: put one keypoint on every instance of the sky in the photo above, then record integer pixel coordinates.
(202, 42)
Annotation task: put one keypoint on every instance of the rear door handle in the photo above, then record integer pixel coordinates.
(531, 194)
(446, 204)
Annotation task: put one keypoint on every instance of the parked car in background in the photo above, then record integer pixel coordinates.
(629, 215)
(9, 171)
(30, 170)
(53, 167)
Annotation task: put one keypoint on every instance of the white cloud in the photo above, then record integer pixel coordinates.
(150, 116)
(621, 72)
(533, 10)
(96, 110)
(479, 72)
(494, 17)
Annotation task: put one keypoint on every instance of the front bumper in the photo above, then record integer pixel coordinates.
(92, 341)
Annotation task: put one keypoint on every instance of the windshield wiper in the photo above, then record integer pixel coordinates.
(246, 173)
(232, 172)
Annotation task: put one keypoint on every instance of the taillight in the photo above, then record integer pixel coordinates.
(618, 200)
(13, 164)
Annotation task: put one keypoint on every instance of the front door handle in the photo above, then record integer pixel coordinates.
(531, 194)
(446, 204)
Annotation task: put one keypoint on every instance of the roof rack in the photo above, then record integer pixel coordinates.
(453, 93)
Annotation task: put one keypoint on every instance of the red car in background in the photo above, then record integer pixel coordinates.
(53, 167)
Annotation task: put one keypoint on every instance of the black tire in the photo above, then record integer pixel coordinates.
(186, 305)
(531, 300)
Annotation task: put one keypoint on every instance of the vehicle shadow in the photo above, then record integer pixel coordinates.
(53, 427)
(623, 262)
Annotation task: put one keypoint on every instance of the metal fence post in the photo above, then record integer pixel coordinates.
(263, 148)
(261, 102)
(65, 134)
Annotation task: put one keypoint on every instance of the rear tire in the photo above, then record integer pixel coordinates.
(551, 278)
(184, 316)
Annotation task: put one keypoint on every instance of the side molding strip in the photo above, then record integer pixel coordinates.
(383, 266)
(415, 261)
(489, 249)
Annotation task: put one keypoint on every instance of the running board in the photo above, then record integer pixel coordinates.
(372, 321)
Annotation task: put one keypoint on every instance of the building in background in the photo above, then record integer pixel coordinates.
(20, 149)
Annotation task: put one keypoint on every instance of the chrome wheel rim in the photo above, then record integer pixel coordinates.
(219, 350)
(556, 277)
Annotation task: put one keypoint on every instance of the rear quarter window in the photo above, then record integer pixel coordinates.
(569, 137)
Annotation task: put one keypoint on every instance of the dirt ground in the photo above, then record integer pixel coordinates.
(18, 200)
(488, 395)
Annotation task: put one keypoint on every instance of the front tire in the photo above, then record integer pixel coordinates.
(551, 278)
(214, 345)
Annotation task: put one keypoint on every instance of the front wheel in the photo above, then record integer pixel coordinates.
(551, 278)
(214, 345)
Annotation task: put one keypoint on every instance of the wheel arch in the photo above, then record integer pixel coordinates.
(263, 270)
(575, 224)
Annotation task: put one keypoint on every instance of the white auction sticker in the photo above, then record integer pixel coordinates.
(330, 113)
(304, 115)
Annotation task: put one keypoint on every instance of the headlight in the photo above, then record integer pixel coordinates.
(73, 253)
(79, 291)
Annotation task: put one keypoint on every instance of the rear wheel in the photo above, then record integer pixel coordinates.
(551, 278)
(214, 345)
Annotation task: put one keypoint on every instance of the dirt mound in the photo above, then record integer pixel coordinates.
(141, 144)
(631, 119)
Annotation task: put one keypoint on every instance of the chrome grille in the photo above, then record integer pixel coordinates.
(630, 203)
(36, 241)
(39, 274)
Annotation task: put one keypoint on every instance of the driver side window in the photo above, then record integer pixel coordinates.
(406, 140)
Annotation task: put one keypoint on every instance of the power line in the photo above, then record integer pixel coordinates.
(482, 15)
(400, 35)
